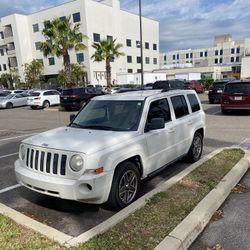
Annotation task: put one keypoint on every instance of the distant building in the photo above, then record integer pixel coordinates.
(224, 59)
(20, 37)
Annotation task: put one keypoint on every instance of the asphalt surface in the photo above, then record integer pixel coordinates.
(74, 218)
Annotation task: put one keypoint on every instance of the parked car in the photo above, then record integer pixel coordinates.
(13, 100)
(75, 98)
(170, 84)
(3, 94)
(17, 91)
(43, 99)
(195, 85)
(113, 143)
(235, 96)
(214, 93)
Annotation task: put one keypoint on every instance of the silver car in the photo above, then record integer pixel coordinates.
(13, 100)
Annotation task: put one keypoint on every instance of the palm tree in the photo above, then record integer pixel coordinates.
(61, 36)
(107, 50)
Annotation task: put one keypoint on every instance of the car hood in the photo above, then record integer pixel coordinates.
(79, 140)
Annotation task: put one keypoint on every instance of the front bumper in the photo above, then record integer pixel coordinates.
(88, 188)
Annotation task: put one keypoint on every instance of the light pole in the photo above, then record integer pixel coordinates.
(141, 46)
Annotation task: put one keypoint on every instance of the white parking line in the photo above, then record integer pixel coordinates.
(4, 156)
(215, 113)
(16, 137)
(9, 188)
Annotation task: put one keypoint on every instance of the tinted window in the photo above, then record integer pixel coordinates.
(48, 93)
(73, 91)
(195, 106)
(35, 94)
(161, 85)
(159, 109)
(35, 27)
(90, 90)
(76, 17)
(219, 84)
(180, 106)
(96, 37)
(128, 42)
(237, 88)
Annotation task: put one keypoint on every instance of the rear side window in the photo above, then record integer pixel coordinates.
(35, 94)
(159, 109)
(180, 106)
(237, 88)
(195, 106)
(48, 93)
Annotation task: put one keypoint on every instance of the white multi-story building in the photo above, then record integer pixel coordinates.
(20, 37)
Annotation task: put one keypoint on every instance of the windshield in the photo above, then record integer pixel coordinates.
(110, 115)
(237, 88)
(9, 96)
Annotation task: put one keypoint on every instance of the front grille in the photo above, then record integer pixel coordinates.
(46, 162)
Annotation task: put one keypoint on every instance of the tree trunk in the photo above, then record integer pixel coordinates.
(66, 63)
(108, 75)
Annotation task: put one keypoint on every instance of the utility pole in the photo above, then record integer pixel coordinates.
(141, 46)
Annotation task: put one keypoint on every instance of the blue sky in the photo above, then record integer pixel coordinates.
(183, 23)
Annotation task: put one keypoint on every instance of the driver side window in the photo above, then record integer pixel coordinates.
(159, 109)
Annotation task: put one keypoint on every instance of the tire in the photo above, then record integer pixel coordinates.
(196, 148)
(46, 104)
(211, 101)
(125, 185)
(9, 105)
(224, 111)
(33, 107)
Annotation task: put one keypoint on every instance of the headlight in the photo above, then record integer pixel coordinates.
(22, 152)
(76, 163)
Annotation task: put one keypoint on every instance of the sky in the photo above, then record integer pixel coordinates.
(183, 23)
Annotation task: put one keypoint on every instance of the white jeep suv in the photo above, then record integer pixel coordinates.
(113, 143)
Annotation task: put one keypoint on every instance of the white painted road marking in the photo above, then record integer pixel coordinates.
(215, 113)
(9, 188)
(16, 137)
(4, 156)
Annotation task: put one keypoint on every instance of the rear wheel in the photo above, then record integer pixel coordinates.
(9, 105)
(196, 148)
(46, 104)
(125, 185)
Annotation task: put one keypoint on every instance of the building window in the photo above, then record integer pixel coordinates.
(1, 52)
(165, 58)
(110, 38)
(201, 54)
(40, 61)
(129, 43)
(4, 67)
(79, 57)
(130, 70)
(76, 17)
(232, 59)
(216, 52)
(138, 44)
(173, 57)
(63, 18)
(138, 70)
(35, 27)
(216, 60)
(147, 60)
(129, 59)
(38, 45)
(232, 51)
(221, 52)
(187, 55)
(154, 46)
(146, 45)
(155, 60)
(178, 56)
(138, 59)
(191, 55)
(237, 59)
(238, 50)
(1, 35)
(51, 60)
(221, 60)
(205, 53)
(96, 37)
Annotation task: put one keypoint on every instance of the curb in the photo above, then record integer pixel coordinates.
(118, 217)
(187, 231)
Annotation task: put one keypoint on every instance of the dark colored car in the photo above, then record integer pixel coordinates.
(170, 84)
(75, 98)
(215, 91)
(236, 95)
(195, 85)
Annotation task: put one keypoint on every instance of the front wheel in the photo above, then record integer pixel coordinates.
(125, 186)
(196, 148)
(9, 105)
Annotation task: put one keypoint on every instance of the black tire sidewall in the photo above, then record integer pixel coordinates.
(9, 105)
(190, 156)
(44, 104)
(114, 199)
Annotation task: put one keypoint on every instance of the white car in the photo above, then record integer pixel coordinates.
(113, 143)
(13, 100)
(43, 99)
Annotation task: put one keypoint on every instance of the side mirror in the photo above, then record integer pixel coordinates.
(72, 117)
(156, 123)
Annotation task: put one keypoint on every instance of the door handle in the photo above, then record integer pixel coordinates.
(171, 130)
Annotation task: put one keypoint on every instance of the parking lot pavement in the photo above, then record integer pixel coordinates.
(75, 218)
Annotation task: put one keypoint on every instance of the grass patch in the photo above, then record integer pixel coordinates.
(148, 226)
